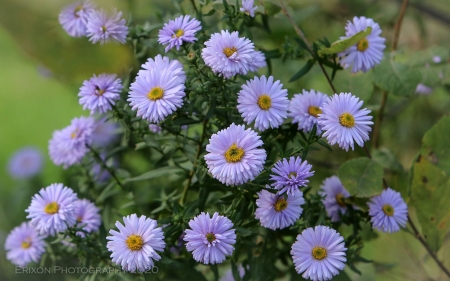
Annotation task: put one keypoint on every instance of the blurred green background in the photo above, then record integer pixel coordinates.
(43, 68)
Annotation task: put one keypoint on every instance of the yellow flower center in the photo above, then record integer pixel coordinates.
(178, 33)
(280, 205)
(134, 242)
(362, 45)
(74, 134)
(229, 51)
(292, 175)
(319, 253)
(347, 120)
(98, 91)
(104, 29)
(314, 111)
(264, 102)
(79, 219)
(51, 208)
(155, 94)
(210, 237)
(388, 210)
(340, 199)
(234, 154)
(26, 244)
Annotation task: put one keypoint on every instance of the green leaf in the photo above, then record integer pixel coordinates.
(430, 184)
(362, 177)
(396, 78)
(359, 84)
(341, 45)
(156, 173)
(305, 69)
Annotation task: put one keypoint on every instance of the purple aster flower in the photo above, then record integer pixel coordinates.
(278, 211)
(437, 59)
(154, 128)
(74, 18)
(100, 92)
(210, 239)
(247, 8)
(233, 157)
(88, 216)
(68, 146)
(388, 211)
(134, 246)
(105, 132)
(344, 121)
(319, 253)
(227, 54)
(24, 245)
(228, 276)
(368, 51)
(264, 101)
(305, 109)
(423, 89)
(335, 194)
(177, 31)
(159, 63)
(25, 163)
(290, 175)
(104, 28)
(259, 61)
(156, 94)
(52, 210)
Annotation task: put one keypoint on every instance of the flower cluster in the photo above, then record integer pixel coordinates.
(82, 19)
(246, 148)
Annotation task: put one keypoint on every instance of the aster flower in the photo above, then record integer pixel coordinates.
(177, 31)
(305, 109)
(290, 175)
(104, 28)
(154, 128)
(25, 163)
(74, 18)
(344, 121)
(134, 246)
(334, 193)
(105, 132)
(227, 54)
(100, 92)
(159, 63)
(247, 7)
(368, 51)
(423, 89)
(319, 253)
(52, 210)
(156, 94)
(24, 245)
(68, 146)
(233, 157)
(259, 61)
(263, 101)
(87, 215)
(278, 211)
(388, 211)
(210, 239)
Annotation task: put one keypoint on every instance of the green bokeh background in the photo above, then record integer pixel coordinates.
(43, 68)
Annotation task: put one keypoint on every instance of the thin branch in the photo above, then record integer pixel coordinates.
(191, 174)
(379, 119)
(424, 243)
(102, 163)
(302, 35)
